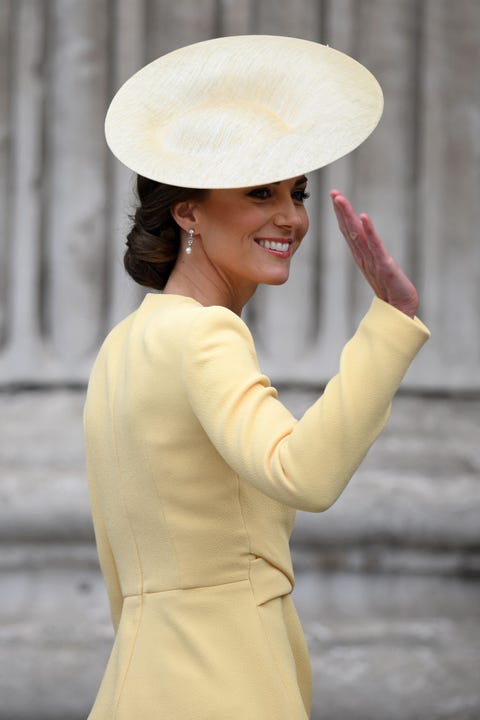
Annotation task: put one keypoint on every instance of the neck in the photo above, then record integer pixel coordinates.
(200, 280)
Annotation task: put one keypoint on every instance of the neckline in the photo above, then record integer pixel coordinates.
(173, 296)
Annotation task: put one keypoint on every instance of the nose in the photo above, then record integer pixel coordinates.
(289, 214)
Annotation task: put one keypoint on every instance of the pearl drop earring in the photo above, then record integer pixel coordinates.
(188, 249)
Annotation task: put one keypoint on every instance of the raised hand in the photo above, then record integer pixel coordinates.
(385, 276)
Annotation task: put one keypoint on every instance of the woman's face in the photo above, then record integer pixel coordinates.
(250, 234)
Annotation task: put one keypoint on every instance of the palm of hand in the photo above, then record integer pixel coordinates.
(384, 275)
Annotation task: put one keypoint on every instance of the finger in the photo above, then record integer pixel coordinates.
(334, 193)
(367, 224)
(350, 219)
(365, 256)
(351, 227)
(374, 242)
(369, 228)
(391, 279)
(340, 219)
(346, 216)
(350, 237)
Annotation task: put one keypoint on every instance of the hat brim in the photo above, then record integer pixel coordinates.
(242, 111)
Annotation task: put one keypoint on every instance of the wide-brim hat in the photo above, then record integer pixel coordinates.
(242, 111)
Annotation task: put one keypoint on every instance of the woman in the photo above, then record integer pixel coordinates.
(195, 468)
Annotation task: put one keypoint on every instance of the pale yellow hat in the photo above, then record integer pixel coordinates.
(241, 111)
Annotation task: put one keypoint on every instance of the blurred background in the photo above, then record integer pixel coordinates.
(388, 579)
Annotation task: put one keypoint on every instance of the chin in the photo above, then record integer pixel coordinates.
(278, 280)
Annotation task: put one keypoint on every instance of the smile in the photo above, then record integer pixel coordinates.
(278, 247)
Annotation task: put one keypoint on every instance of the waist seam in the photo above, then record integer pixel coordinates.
(186, 589)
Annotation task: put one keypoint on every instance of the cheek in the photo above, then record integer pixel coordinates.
(303, 227)
(250, 221)
(306, 224)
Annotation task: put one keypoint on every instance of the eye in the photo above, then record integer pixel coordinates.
(262, 193)
(300, 195)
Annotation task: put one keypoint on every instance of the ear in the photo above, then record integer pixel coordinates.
(184, 214)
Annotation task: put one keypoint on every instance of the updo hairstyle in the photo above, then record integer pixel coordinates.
(154, 239)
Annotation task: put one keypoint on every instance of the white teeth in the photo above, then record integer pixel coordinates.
(273, 245)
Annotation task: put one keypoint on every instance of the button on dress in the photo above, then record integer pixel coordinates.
(195, 472)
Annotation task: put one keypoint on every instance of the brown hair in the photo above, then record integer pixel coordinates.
(154, 238)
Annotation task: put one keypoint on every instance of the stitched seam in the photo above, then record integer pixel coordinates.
(240, 506)
(130, 658)
(272, 655)
(171, 535)
(146, 593)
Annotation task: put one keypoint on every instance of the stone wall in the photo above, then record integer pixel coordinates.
(64, 200)
(388, 579)
(387, 587)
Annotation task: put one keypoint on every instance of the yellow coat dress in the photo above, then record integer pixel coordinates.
(195, 472)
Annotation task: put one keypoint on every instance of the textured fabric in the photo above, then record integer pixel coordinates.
(195, 472)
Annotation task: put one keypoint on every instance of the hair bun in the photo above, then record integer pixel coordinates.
(154, 238)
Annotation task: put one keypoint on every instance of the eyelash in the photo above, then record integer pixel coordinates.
(304, 195)
(258, 193)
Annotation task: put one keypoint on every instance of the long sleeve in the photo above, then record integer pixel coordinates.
(306, 463)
